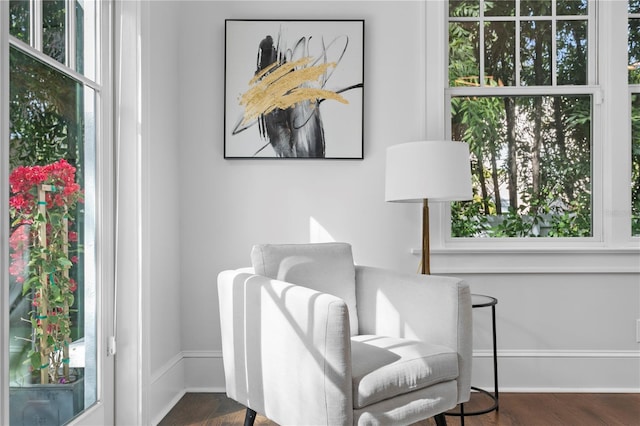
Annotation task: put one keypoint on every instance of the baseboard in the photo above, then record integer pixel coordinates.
(187, 371)
(487, 353)
(168, 407)
(166, 388)
(203, 371)
(561, 371)
(215, 389)
(565, 390)
(519, 371)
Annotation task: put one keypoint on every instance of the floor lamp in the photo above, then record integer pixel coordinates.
(424, 171)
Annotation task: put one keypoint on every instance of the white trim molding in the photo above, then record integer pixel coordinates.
(579, 371)
(517, 353)
(202, 354)
(4, 210)
(187, 371)
(166, 388)
(519, 370)
(204, 371)
(132, 201)
(534, 261)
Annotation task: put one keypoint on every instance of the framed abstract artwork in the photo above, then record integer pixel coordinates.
(294, 89)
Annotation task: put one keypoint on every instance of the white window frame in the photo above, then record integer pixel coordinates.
(102, 411)
(4, 208)
(35, 30)
(633, 89)
(610, 249)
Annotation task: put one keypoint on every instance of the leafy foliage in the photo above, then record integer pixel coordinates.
(531, 154)
(635, 165)
(634, 78)
(467, 219)
(46, 126)
(41, 205)
(42, 110)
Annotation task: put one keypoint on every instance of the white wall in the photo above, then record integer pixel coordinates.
(567, 330)
(161, 88)
(164, 182)
(229, 205)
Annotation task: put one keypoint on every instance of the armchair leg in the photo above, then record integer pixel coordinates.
(440, 420)
(249, 417)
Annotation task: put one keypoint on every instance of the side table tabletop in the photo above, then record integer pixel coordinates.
(482, 301)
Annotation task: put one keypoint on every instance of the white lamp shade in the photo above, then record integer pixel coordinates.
(433, 170)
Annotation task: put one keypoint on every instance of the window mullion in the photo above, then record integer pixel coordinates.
(554, 45)
(516, 53)
(70, 34)
(523, 91)
(613, 132)
(36, 24)
(593, 42)
(4, 208)
(481, 43)
(53, 63)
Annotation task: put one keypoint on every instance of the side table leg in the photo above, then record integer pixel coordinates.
(495, 356)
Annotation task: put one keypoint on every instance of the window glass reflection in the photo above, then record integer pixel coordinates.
(531, 166)
(20, 19)
(464, 63)
(499, 52)
(571, 56)
(53, 29)
(535, 53)
(52, 217)
(572, 7)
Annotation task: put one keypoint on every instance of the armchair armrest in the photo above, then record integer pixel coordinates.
(311, 378)
(429, 308)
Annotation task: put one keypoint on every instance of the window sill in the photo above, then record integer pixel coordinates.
(508, 260)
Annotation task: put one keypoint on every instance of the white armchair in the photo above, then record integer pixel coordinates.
(310, 339)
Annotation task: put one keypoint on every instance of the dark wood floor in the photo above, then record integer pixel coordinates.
(522, 409)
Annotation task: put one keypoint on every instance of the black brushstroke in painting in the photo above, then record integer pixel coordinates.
(296, 131)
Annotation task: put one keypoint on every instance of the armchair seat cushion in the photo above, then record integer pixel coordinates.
(386, 367)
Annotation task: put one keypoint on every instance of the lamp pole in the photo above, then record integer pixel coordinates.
(426, 267)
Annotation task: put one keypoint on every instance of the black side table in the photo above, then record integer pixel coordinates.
(482, 301)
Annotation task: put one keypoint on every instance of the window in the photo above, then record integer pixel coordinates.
(522, 94)
(54, 99)
(634, 85)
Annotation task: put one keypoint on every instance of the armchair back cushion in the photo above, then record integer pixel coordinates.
(326, 267)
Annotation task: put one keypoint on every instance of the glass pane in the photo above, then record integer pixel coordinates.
(500, 8)
(535, 8)
(85, 38)
(499, 59)
(535, 53)
(464, 8)
(464, 63)
(52, 264)
(634, 6)
(635, 164)
(20, 19)
(571, 7)
(531, 162)
(571, 45)
(634, 51)
(53, 29)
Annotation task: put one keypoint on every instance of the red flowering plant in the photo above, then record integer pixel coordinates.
(42, 203)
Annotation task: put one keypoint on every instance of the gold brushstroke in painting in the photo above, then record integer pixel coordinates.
(283, 85)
